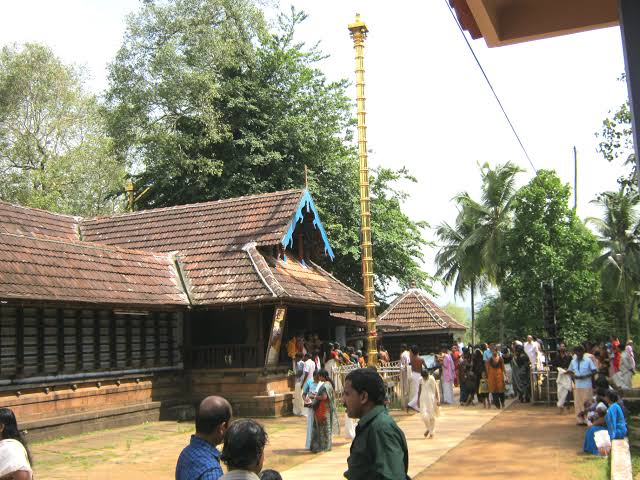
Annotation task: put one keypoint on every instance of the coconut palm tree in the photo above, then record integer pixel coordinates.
(457, 265)
(619, 237)
(492, 218)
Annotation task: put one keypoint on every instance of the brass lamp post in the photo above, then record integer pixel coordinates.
(358, 33)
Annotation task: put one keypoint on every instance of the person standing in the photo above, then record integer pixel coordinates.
(299, 377)
(495, 378)
(417, 364)
(564, 383)
(582, 371)
(309, 394)
(379, 450)
(309, 368)
(531, 348)
(201, 458)
(624, 376)
(325, 418)
(429, 403)
(15, 458)
(448, 376)
(405, 373)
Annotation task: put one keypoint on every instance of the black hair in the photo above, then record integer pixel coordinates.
(270, 475)
(368, 380)
(613, 396)
(307, 356)
(403, 346)
(425, 373)
(11, 430)
(414, 349)
(244, 442)
(298, 355)
(209, 419)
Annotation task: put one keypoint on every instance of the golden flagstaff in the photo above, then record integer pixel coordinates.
(359, 32)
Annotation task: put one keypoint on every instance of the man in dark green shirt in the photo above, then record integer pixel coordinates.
(379, 450)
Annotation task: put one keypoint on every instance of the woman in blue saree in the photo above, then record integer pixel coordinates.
(614, 423)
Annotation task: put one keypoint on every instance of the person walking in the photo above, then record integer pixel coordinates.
(582, 371)
(309, 394)
(429, 403)
(325, 418)
(379, 450)
(495, 378)
(405, 374)
(417, 364)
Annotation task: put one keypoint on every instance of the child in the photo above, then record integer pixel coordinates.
(470, 384)
(429, 402)
(483, 390)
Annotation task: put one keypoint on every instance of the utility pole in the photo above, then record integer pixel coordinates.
(575, 179)
(359, 32)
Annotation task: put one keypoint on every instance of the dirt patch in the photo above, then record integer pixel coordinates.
(525, 441)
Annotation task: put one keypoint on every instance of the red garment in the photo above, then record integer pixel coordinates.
(616, 355)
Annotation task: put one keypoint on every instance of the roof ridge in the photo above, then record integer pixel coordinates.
(431, 310)
(188, 205)
(91, 245)
(268, 279)
(74, 217)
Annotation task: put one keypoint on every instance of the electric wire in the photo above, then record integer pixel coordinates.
(455, 19)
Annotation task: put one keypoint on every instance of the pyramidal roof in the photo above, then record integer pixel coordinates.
(414, 311)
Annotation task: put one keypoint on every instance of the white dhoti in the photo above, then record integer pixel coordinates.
(508, 380)
(309, 414)
(447, 392)
(298, 403)
(429, 409)
(414, 389)
(565, 385)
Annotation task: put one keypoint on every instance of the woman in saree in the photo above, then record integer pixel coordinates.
(614, 423)
(15, 459)
(325, 420)
(520, 366)
(495, 377)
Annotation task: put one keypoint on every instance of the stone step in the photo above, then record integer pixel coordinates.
(631, 393)
(182, 413)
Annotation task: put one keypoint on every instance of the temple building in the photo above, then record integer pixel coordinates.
(414, 319)
(121, 319)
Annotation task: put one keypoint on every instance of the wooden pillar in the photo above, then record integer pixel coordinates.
(113, 345)
(96, 339)
(40, 339)
(60, 338)
(19, 341)
(78, 331)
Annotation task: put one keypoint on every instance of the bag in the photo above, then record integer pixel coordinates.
(603, 442)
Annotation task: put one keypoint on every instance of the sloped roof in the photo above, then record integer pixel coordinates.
(58, 269)
(217, 244)
(413, 311)
(32, 221)
(224, 250)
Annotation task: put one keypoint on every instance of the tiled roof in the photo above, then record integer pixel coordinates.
(218, 247)
(40, 268)
(32, 221)
(414, 311)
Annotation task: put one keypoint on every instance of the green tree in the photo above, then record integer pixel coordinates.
(619, 238)
(54, 153)
(460, 314)
(549, 242)
(205, 103)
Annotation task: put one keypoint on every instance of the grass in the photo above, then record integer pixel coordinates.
(591, 467)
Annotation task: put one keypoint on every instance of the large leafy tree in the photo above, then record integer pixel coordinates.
(205, 103)
(549, 243)
(619, 238)
(54, 153)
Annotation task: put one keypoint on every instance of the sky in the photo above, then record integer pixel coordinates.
(428, 107)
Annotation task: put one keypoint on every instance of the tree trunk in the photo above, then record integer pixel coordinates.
(473, 316)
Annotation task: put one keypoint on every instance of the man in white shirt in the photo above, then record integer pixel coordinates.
(243, 451)
(405, 359)
(309, 368)
(532, 349)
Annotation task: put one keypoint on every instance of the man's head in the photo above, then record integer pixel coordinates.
(562, 348)
(529, 339)
(414, 349)
(212, 419)
(611, 397)
(403, 347)
(363, 390)
(579, 351)
(307, 356)
(244, 443)
(298, 356)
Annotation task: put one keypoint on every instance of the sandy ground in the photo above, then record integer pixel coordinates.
(522, 442)
(525, 441)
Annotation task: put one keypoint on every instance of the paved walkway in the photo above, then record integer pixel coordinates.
(453, 426)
